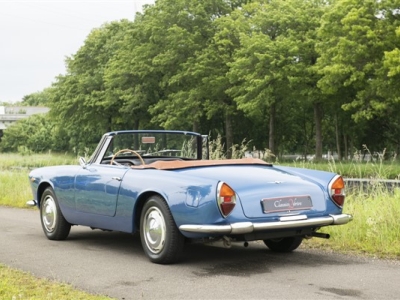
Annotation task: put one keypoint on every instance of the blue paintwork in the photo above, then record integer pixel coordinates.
(91, 197)
(110, 197)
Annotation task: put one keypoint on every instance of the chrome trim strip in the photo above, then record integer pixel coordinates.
(292, 218)
(248, 227)
(321, 221)
(224, 229)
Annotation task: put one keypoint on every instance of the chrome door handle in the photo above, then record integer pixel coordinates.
(117, 178)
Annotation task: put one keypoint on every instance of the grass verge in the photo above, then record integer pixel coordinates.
(15, 285)
(14, 169)
(375, 229)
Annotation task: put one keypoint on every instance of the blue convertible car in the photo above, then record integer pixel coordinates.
(162, 184)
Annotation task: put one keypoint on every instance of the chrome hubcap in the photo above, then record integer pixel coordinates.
(154, 230)
(49, 214)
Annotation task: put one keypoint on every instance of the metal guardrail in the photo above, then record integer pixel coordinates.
(365, 185)
(12, 117)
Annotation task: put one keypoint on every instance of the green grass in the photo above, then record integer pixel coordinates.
(14, 169)
(381, 170)
(15, 284)
(15, 189)
(377, 167)
(10, 161)
(375, 229)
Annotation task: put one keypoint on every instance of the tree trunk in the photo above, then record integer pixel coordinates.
(229, 134)
(136, 124)
(346, 147)
(195, 126)
(318, 130)
(338, 150)
(272, 116)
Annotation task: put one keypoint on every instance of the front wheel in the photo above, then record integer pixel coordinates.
(54, 225)
(161, 240)
(286, 244)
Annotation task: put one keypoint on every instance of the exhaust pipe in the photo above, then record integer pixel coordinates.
(319, 235)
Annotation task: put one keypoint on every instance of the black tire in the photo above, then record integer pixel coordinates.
(161, 239)
(54, 225)
(287, 244)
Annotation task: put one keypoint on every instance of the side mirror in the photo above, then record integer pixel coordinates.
(82, 162)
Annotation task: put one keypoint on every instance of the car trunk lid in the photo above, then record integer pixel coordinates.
(266, 191)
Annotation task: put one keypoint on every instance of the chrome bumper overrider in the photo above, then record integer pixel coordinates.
(31, 203)
(284, 223)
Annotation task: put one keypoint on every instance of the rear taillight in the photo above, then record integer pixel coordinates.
(336, 190)
(226, 198)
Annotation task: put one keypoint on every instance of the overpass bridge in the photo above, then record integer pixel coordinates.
(12, 114)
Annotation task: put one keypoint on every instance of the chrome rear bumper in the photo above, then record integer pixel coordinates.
(284, 223)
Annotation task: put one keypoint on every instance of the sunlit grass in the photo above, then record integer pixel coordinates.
(14, 169)
(378, 165)
(15, 285)
(351, 169)
(15, 189)
(375, 229)
(10, 161)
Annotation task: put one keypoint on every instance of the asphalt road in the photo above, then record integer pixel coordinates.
(113, 264)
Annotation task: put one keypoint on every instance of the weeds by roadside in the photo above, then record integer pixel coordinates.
(15, 285)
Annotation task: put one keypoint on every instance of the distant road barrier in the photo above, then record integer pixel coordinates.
(11, 114)
(366, 185)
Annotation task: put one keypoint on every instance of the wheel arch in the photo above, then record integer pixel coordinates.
(140, 201)
(41, 188)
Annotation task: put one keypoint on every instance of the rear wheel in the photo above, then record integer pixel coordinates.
(286, 244)
(161, 240)
(54, 225)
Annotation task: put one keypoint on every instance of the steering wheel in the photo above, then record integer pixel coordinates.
(126, 150)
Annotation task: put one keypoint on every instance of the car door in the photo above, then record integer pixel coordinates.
(97, 188)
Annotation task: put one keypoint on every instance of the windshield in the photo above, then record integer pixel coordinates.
(156, 144)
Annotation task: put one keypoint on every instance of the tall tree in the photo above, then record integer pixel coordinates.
(275, 63)
(78, 98)
(37, 99)
(186, 30)
(358, 40)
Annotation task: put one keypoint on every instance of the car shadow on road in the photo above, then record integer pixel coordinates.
(255, 259)
(210, 261)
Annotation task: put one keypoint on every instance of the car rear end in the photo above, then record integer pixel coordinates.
(259, 202)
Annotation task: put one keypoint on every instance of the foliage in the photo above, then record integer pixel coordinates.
(358, 44)
(37, 98)
(28, 135)
(273, 72)
(374, 230)
(79, 101)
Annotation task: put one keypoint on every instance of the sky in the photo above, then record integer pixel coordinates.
(36, 37)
